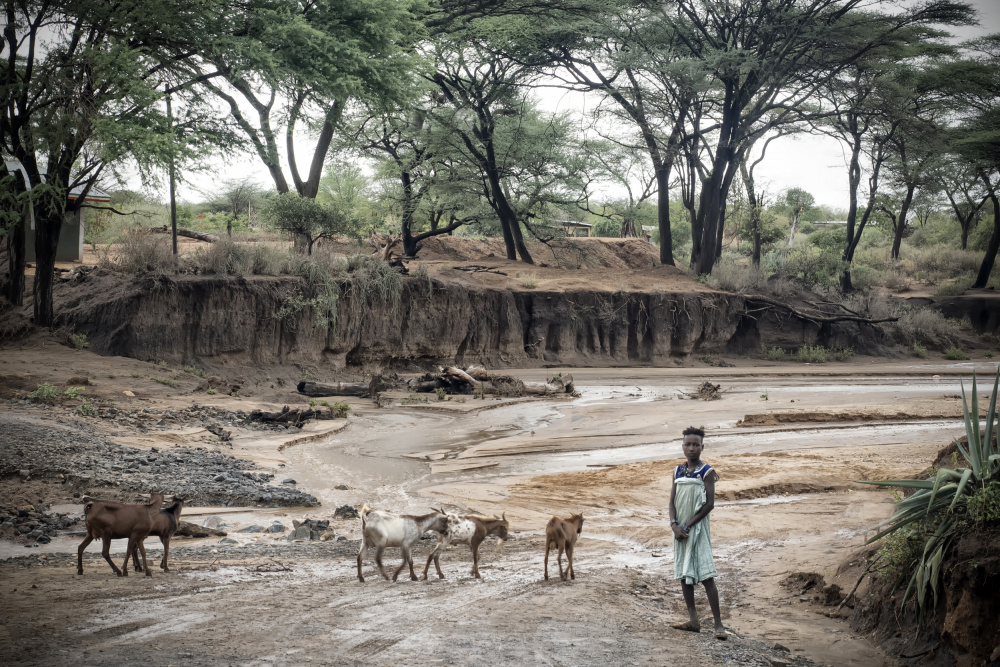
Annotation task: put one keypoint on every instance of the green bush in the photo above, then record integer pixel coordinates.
(606, 228)
(813, 266)
(73, 392)
(87, 408)
(919, 351)
(830, 240)
(955, 354)
(812, 354)
(773, 353)
(79, 341)
(45, 393)
(340, 410)
(442, 395)
(807, 227)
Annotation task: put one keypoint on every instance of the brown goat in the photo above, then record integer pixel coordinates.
(471, 530)
(562, 534)
(115, 521)
(164, 526)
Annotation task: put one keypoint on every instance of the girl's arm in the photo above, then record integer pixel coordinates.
(674, 525)
(709, 500)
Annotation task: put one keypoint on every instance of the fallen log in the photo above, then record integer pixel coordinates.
(818, 319)
(290, 416)
(555, 385)
(189, 233)
(334, 389)
(462, 375)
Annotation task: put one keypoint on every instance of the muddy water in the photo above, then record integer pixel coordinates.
(622, 416)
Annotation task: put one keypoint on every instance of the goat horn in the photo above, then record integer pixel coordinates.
(504, 515)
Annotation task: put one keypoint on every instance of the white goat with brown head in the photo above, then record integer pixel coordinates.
(381, 529)
(471, 530)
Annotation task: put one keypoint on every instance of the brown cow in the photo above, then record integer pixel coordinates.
(164, 526)
(115, 521)
(562, 534)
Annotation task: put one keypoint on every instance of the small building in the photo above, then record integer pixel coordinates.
(574, 228)
(70, 248)
(830, 224)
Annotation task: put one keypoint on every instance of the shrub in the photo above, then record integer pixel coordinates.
(955, 354)
(139, 252)
(193, 370)
(984, 504)
(807, 227)
(606, 228)
(813, 266)
(842, 354)
(73, 392)
(79, 341)
(812, 354)
(442, 395)
(210, 391)
(87, 408)
(45, 393)
(167, 381)
(954, 287)
(737, 275)
(773, 353)
(340, 410)
(919, 351)
(527, 281)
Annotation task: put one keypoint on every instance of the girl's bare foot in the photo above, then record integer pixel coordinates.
(687, 625)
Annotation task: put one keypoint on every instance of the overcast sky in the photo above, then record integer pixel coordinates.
(816, 164)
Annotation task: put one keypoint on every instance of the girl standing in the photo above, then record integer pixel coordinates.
(692, 497)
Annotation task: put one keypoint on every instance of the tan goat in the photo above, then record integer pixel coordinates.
(562, 534)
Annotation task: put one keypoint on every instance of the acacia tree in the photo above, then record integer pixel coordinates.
(798, 202)
(289, 68)
(767, 61)
(965, 192)
(81, 92)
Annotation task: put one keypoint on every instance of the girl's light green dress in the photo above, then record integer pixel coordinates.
(693, 556)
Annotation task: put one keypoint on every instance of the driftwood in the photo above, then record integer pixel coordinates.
(290, 416)
(820, 319)
(475, 268)
(475, 379)
(188, 529)
(189, 233)
(334, 389)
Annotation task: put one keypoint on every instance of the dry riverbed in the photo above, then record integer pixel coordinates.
(790, 506)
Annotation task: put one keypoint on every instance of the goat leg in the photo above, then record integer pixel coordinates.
(430, 557)
(547, 560)
(437, 565)
(166, 550)
(475, 561)
(106, 552)
(378, 561)
(559, 560)
(129, 552)
(361, 552)
(79, 553)
(395, 575)
(409, 558)
(142, 550)
(569, 558)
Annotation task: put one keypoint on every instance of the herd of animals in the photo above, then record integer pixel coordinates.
(379, 530)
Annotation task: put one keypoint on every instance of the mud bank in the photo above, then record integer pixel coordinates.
(234, 321)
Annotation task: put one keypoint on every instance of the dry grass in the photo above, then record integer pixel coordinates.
(138, 252)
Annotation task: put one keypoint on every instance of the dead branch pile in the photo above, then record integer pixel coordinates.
(706, 391)
(290, 416)
(189, 233)
(477, 381)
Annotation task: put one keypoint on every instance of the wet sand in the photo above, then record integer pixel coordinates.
(789, 502)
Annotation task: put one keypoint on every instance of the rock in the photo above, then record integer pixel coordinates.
(300, 533)
(220, 478)
(255, 528)
(780, 662)
(128, 393)
(228, 540)
(327, 536)
(345, 512)
(24, 474)
(343, 487)
(188, 529)
(779, 647)
(289, 481)
(276, 527)
(213, 522)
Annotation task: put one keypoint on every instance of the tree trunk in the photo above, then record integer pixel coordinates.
(14, 289)
(229, 226)
(901, 221)
(47, 229)
(512, 237)
(663, 215)
(991, 251)
(795, 223)
(755, 213)
(965, 232)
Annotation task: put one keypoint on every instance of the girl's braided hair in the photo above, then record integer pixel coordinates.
(694, 430)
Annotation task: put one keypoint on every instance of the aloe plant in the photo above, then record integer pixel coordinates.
(931, 510)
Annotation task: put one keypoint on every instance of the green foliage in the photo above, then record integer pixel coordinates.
(773, 353)
(194, 370)
(830, 240)
(812, 354)
(73, 392)
(955, 354)
(340, 409)
(934, 512)
(984, 505)
(606, 228)
(807, 228)
(442, 395)
(919, 351)
(298, 215)
(210, 391)
(79, 341)
(87, 408)
(813, 266)
(45, 393)
(167, 381)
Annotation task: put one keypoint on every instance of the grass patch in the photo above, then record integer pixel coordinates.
(195, 371)
(527, 281)
(812, 354)
(919, 351)
(167, 381)
(955, 354)
(79, 341)
(73, 392)
(773, 353)
(442, 395)
(340, 409)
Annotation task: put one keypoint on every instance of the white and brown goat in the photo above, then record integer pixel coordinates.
(561, 534)
(382, 529)
(471, 530)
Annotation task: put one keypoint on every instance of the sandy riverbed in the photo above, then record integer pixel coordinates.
(790, 503)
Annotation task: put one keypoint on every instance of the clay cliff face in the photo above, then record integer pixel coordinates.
(232, 320)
